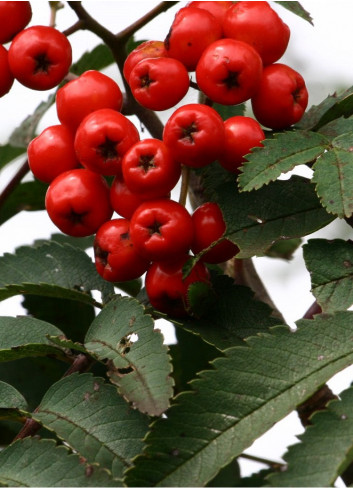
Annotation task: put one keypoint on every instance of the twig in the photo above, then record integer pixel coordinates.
(185, 175)
(15, 180)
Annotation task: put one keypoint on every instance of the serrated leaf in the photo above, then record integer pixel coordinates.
(64, 343)
(8, 153)
(325, 449)
(332, 107)
(337, 127)
(330, 264)
(248, 390)
(333, 176)
(10, 398)
(280, 155)
(137, 359)
(100, 57)
(284, 248)
(227, 111)
(51, 270)
(25, 337)
(233, 316)
(40, 463)
(285, 209)
(27, 196)
(23, 134)
(297, 9)
(91, 417)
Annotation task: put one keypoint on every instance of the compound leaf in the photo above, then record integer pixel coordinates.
(279, 155)
(28, 196)
(325, 449)
(8, 153)
(91, 417)
(330, 264)
(285, 209)
(297, 9)
(248, 390)
(138, 361)
(333, 176)
(10, 398)
(24, 336)
(51, 270)
(40, 463)
(100, 57)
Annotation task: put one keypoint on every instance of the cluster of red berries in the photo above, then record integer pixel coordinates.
(38, 57)
(233, 49)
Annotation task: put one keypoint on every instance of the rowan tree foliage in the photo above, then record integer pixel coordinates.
(90, 394)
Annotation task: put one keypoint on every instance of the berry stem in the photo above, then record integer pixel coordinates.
(184, 189)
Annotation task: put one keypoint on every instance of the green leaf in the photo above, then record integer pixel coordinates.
(280, 155)
(337, 127)
(284, 248)
(40, 463)
(8, 153)
(330, 264)
(10, 398)
(233, 316)
(249, 390)
(23, 134)
(91, 417)
(297, 9)
(227, 111)
(284, 209)
(333, 176)
(100, 57)
(325, 449)
(28, 196)
(138, 361)
(332, 107)
(51, 270)
(24, 336)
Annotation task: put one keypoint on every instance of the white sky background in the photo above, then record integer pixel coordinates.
(323, 54)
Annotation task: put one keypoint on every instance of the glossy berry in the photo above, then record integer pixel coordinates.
(147, 49)
(14, 17)
(102, 139)
(194, 133)
(89, 92)
(77, 201)
(40, 57)
(256, 23)
(116, 259)
(149, 169)
(209, 226)
(217, 8)
(229, 71)
(242, 134)
(167, 290)
(282, 97)
(161, 229)
(123, 201)
(159, 83)
(192, 30)
(7, 78)
(52, 153)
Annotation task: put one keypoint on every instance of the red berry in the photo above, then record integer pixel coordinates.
(242, 134)
(229, 71)
(89, 92)
(159, 83)
(14, 17)
(149, 169)
(161, 229)
(52, 153)
(167, 290)
(40, 57)
(209, 226)
(147, 49)
(116, 259)
(194, 133)
(192, 30)
(102, 139)
(77, 201)
(7, 78)
(282, 97)
(217, 8)
(259, 25)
